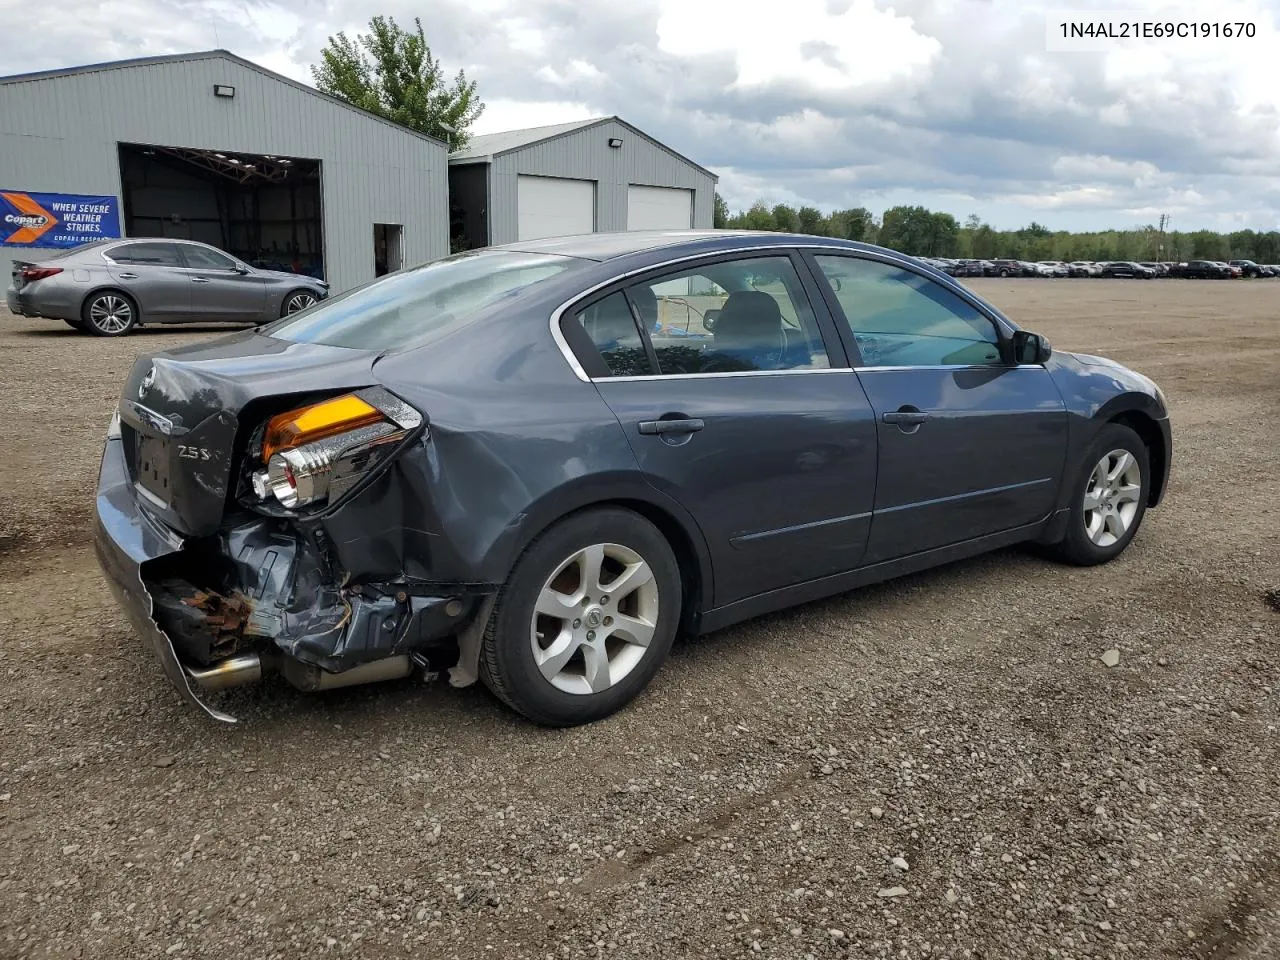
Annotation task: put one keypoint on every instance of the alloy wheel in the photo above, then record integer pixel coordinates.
(1111, 497)
(594, 618)
(299, 301)
(110, 313)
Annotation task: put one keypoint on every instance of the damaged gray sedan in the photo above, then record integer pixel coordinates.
(535, 465)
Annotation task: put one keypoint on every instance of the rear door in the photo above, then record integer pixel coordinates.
(969, 443)
(754, 425)
(219, 290)
(153, 273)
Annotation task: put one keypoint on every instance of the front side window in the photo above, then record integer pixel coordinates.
(420, 304)
(202, 258)
(902, 319)
(147, 254)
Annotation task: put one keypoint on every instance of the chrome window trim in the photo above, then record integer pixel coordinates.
(951, 366)
(721, 374)
(557, 315)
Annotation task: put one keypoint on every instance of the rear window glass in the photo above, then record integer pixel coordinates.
(421, 303)
(71, 252)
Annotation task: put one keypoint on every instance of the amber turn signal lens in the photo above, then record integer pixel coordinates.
(316, 422)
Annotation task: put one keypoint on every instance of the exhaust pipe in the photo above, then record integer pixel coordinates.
(308, 677)
(232, 672)
(248, 668)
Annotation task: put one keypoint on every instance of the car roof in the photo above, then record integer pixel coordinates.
(609, 246)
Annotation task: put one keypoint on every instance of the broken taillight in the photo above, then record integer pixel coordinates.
(31, 274)
(317, 453)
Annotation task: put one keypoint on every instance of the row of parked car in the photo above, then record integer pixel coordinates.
(1146, 270)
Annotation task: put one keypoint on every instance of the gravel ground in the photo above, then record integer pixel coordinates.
(941, 766)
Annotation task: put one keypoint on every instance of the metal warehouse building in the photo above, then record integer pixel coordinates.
(593, 175)
(208, 146)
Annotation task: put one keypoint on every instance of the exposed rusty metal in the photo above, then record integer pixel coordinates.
(227, 617)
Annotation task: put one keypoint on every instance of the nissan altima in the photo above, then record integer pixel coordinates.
(535, 465)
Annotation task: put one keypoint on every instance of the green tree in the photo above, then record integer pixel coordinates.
(812, 221)
(719, 212)
(785, 219)
(759, 217)
(857, 223)
(390, 71)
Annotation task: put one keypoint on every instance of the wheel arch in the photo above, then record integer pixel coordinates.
(676, 525)
(111, 288)
(1140, 421)
(294, 291)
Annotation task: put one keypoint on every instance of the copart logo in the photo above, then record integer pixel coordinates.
(20, 221)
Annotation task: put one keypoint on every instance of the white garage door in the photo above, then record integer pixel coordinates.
(659, 208)
(554, 207)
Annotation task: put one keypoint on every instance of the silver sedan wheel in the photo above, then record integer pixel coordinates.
(111, 314)
(299, 301)
(1111, 497)
(594, 619)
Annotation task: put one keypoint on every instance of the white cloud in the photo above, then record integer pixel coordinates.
(805, 40)
(513, 114)
(948, 103)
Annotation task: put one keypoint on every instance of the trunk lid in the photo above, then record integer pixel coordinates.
(186, 415)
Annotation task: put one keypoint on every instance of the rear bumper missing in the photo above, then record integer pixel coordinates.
(259, 597)
(124, 539)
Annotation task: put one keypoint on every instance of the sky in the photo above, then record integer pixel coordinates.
(968, 106)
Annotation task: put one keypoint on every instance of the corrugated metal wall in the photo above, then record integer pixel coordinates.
(59, 135)
(586, 155)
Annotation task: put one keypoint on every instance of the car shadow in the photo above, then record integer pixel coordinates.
(159, 329)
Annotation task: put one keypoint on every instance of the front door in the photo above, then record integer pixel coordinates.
(220, 288)
(763, 435)
(969, 444)
(152, 272)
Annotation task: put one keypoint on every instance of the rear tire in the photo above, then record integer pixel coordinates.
(1108, 498)
(553, 650)
(109, 313)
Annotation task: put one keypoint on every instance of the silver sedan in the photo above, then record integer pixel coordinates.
(108, 287)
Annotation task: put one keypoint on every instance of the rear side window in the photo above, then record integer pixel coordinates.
(420, 304)
(613, 330)
(147, 254)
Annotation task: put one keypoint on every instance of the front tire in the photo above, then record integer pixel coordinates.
(296, 301)
(585, 619)
(1109, 498)
(109, 313)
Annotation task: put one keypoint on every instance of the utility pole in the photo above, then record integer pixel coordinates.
(1164, 224)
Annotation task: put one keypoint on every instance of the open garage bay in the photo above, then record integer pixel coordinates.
(960, 720)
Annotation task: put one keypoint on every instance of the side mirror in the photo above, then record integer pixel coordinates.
(709, 319)
(1030, 347)
(241, 269)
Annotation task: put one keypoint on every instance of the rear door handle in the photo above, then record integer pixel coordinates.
(906, 417)
(199, 279)
(128, 276)
(656, 427)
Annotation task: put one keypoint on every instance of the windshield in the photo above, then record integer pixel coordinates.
(420, 303)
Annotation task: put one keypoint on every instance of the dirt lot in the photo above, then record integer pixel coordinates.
(754, 800)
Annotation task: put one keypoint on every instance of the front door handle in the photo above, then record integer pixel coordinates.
(658, 427)
(906, 417)
(199, 279)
